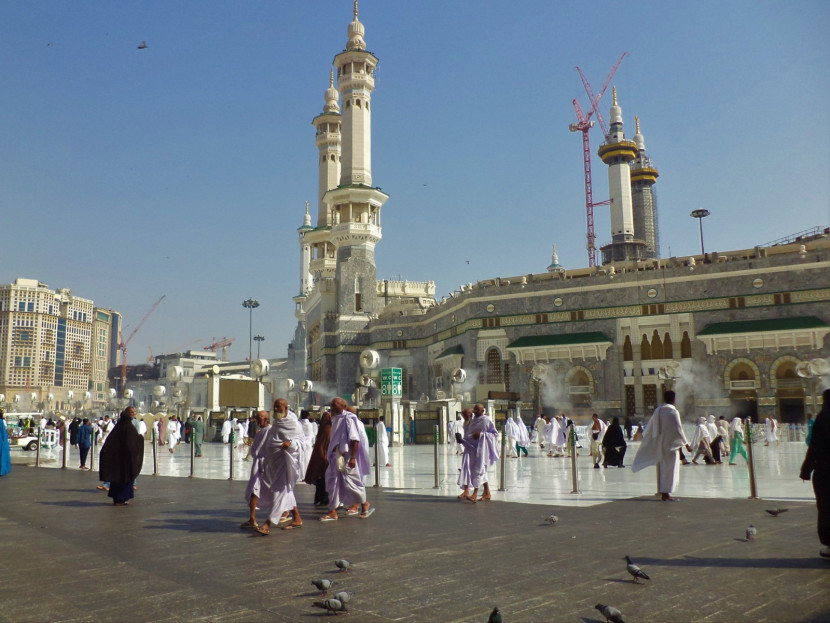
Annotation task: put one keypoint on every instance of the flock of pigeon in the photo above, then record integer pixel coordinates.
(336, 604)
(612, 614)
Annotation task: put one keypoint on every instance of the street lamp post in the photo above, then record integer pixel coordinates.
(258, 339)
(250, 304)
(700, 214)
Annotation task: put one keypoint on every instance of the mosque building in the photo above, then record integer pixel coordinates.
(729, 330)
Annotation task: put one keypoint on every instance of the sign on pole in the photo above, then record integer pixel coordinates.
(391, 382)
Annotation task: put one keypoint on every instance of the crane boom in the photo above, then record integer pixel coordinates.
(584, 124)
(123, 344)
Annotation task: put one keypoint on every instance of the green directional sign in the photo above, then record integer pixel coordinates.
(391, 382)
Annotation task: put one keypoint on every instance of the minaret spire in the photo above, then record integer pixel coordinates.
(355, 10)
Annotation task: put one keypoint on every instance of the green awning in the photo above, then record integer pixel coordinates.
(452, 350)
(770, 324)
(564, 339)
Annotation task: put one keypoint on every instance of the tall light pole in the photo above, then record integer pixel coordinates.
(250, 304)
(258, 339)
(700, 214)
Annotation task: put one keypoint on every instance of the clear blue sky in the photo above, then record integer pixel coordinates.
(182, 169)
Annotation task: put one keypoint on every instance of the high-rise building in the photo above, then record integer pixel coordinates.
(48, 357)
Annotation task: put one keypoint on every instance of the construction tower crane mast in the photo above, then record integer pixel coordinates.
(223, 344)
(584, 124)
(122, 343)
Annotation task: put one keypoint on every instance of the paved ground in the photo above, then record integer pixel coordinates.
(177, 554)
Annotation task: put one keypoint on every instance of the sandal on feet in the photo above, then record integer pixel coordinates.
(367, 512)
(292, 526)
(249, 524)
(325, 518)
(262, 531)
(352, 512)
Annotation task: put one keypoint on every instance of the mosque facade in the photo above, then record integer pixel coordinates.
(730, 331)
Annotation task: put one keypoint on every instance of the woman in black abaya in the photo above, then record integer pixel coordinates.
(121, 458)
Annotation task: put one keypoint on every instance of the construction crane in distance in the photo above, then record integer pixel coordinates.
(122, 343)
(584, 124)
(223, 344)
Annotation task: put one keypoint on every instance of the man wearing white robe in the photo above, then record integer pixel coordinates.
(539, 430)
(597, 432)
(349, 464)
(308, 440)
(283, 457)
(172, 434)
(511, 431)
(662, 438)
(481, 450)
(551, 432)
(254, 490)
(771, 430)
(227, 427)
(382, 439)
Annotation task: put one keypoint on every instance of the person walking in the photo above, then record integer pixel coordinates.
(122, 456)
(349, 464)
(613, 445)
(282, 461)
(84, 441)
(597, 432)
(382, 439)
(736, 432)
(254, 491)
(198, 433)
(481, 450)
(315, 473)
(662, 438)
(172, 434)
(701, 442)
(5, 450)
(817, 464)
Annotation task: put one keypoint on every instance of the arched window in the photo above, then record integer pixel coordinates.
(656, 346)
(668, 351)
(494, 374)
(628, 351)
(645, 349)
(357, 103)
(685, 346)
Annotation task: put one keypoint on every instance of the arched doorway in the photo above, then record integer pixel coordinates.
(789, 390)
(743, 380)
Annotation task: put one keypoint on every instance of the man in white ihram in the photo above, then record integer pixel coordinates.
(281, 468)
(348, 464)
(662, 438)
(481, 450)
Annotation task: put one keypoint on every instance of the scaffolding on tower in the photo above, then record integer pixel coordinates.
(584, 124)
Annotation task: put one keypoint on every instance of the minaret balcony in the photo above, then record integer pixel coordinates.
(346, 234)
(326, 266)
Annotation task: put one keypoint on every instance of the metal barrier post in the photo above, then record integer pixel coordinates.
(37, 447)
(154, 443)
(65, 439)
(233, 442)
(92, 450)
(753, 487)
(574, 474)
(377, 461)
(192, 453)
(502, 457)
(435, 453)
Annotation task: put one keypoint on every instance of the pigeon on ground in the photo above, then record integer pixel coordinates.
(635, 571)
(777, 511)
(751, 532)
(343, 565)
(331, 605)
(610, 613)
(495, 616)
(323, 585)
(552, 520)
(344, 596)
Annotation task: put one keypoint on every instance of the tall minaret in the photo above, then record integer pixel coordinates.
(305, 260)
(643, 177)
(328, 137)
(617, 152)
(355, 205)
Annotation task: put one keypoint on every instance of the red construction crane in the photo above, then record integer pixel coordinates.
(584, 124)
(223, 344)
(122, 344)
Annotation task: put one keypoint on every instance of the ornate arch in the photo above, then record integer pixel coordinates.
(773, 371)
(739, 360)
(570, 374)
